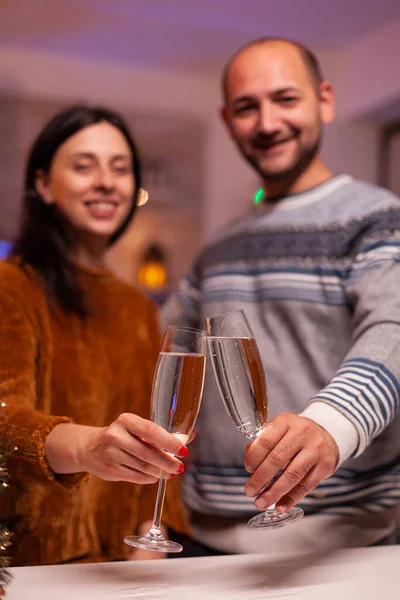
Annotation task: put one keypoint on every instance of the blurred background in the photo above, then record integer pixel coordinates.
(159, 63)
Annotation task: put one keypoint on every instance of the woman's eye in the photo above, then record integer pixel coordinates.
(122, 170)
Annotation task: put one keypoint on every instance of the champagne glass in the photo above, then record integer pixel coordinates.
(240, 378)
(175, 402)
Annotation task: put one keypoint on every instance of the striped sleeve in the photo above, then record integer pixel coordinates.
(365, 390)
(183, 308)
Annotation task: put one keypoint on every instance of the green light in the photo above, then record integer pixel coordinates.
(258, 196)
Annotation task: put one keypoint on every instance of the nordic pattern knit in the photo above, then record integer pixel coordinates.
(318, 275)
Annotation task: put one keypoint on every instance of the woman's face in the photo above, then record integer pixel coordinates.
(91, 181)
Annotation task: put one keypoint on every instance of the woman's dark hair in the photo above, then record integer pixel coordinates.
(43, 241)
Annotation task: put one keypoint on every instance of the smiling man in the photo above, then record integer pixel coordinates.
(316, 267)
(276, 103)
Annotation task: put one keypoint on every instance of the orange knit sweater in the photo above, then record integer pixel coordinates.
(55, 367)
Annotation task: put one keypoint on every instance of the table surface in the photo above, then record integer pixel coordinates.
(365, 574)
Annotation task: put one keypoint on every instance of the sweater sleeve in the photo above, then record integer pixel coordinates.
(183, 308)
(363, 396)
(23, 428)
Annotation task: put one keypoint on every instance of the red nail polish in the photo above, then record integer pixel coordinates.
(183, 451)
(181, 469)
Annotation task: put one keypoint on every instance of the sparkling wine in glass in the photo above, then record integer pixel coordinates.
(240, 378)
(175, 402)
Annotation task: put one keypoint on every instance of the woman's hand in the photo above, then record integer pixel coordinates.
(130, 449)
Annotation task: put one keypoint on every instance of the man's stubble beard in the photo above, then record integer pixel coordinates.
(300, 164)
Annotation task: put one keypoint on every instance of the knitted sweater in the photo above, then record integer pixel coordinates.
(318, 275)
(54, 368)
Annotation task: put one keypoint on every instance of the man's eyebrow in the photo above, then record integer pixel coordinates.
(277, 92)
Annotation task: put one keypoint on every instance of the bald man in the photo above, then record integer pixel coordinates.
(316, 267)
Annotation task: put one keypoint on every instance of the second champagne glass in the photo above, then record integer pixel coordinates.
(175, 402)
(240, 378)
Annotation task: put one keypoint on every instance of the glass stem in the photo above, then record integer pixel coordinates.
(156, 526)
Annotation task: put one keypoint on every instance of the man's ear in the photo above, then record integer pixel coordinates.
(223, 115)
(43, 187)
(326, 102)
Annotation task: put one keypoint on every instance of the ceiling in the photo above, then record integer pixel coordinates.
(182, 34)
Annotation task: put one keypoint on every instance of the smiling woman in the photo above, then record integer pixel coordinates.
(82, 179)
(77, 354)
(91, 182)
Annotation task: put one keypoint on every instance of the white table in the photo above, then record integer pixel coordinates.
(359, 574)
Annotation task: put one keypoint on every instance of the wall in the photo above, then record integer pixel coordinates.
(227, 183)
(372, 79)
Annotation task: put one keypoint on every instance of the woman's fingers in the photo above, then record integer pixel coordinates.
(150, 459)
(152, 434)
(133, 445)
(132, 449)
(123, 473)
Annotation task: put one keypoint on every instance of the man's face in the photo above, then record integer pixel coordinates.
(274, 110)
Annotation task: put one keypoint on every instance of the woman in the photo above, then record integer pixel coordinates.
(77, 354)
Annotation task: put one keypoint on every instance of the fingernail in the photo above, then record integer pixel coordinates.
(282, 508)
(261, 504)
(248, 469)
(250, 492)
(181, 469)
(183, 451)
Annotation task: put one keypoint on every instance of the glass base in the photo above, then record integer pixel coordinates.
(272, 519)
(147, 542)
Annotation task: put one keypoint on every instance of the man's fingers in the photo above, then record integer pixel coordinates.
(292, 482)
(276, 461)
(266, 441)
(304, 487)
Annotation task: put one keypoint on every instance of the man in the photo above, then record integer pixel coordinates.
(316, 268)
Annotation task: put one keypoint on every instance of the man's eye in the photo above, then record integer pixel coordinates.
(245, 108)
(288, 100)
(81, 167)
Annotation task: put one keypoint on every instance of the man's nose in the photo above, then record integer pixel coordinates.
(268, 121)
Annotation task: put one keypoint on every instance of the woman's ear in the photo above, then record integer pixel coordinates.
(43, 187)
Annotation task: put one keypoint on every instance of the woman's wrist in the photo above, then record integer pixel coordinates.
(66, 448)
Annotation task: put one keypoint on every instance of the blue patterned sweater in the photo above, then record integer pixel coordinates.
(318, 275)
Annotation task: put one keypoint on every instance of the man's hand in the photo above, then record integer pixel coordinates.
(305, 452)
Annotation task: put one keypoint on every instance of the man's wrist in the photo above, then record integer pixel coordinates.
(336, 424)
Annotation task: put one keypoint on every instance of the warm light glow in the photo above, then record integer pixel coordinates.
(152, 275)
(143, 197)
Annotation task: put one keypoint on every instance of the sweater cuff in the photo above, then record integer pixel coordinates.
(28, 457)
(337, 425)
